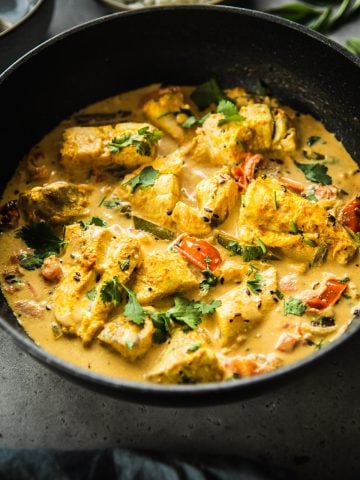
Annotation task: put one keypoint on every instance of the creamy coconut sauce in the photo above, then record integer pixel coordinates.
(294, 275)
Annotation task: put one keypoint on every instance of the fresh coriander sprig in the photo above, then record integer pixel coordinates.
(142, 141)
(43, 240)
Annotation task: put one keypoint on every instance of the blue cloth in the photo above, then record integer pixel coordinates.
(123, 464)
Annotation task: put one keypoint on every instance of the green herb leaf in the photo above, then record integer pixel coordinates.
(31, 262)
(91, 294)
(230, 112)
(312, 197)
(320, 255)
(312, 140)
(133, 310)
(309, 242)
(125, 264)
(191, 311)
(207, 93)
(98, 222)
(294, 306)
(255, 284)
(315, 172)
(43, 240)
(293, 228)
(192, 121)
(279, 294)
(117, 203)
(194, 347)
(146, 178)
(142, 141)
(210, 280)
(345, 280)
(110, 293)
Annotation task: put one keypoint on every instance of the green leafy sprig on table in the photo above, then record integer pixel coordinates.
(322, 16)
(43, 240)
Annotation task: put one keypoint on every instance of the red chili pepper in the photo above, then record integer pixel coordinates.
(245, 172)
(351, 215)
(293, 184)
(333, 291)
(199, 252)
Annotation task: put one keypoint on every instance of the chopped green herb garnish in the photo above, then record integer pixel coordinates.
(313, 155)
(125, 264)
(43, 240)
(345, 280)
(230, 112)
(143, 141)
(293, 228)
(110, 293)
(130, 344)
(133, 310)
(311, 197)
(255, 284)
(91, 294)
(315, 172)
(31, 262)
(146, 178)
(98, 222)
(261, 245)
(312, 140)
(294, 306)
(279, 294)
(276, 206)
(309, 242)
(115, 202)
(192, 121)
(320, 255)
(207, 93)
(194, 347)
(210, 280)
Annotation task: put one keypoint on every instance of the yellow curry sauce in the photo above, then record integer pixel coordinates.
(148, 239)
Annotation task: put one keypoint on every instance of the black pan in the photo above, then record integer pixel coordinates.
(177, 45)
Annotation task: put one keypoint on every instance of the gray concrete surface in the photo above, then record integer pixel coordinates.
(310, 427)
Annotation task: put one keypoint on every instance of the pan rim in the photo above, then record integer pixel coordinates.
(220, 392)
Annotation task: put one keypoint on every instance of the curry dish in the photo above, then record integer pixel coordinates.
(183, 235)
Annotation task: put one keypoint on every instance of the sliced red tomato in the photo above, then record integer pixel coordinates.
(333, 291)
(351, 215)
(245, 172)
(199, 252)
(293, 184)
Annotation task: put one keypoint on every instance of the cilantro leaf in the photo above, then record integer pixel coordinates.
(110, 293)
(207, 308)
(142, 141)
(185, 311)
(98, 222)
(91, 294)
(192, 121)
(256, 283)
(133, 310)
(125, 264)
(294, 306)
(207, 93)
(230, 112)
(146, 178)
(31, 262)
(43, 240)
(315, 172)
(312, 140)
(195, 346)
(210, 280)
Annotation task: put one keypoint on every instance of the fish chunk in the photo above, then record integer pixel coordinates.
(275, 227)
(217, 195)
(187, 359)
(55, 203)
(84, 148)
(190, 220)
(241, 309)
(162, 274)
(130, 340)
